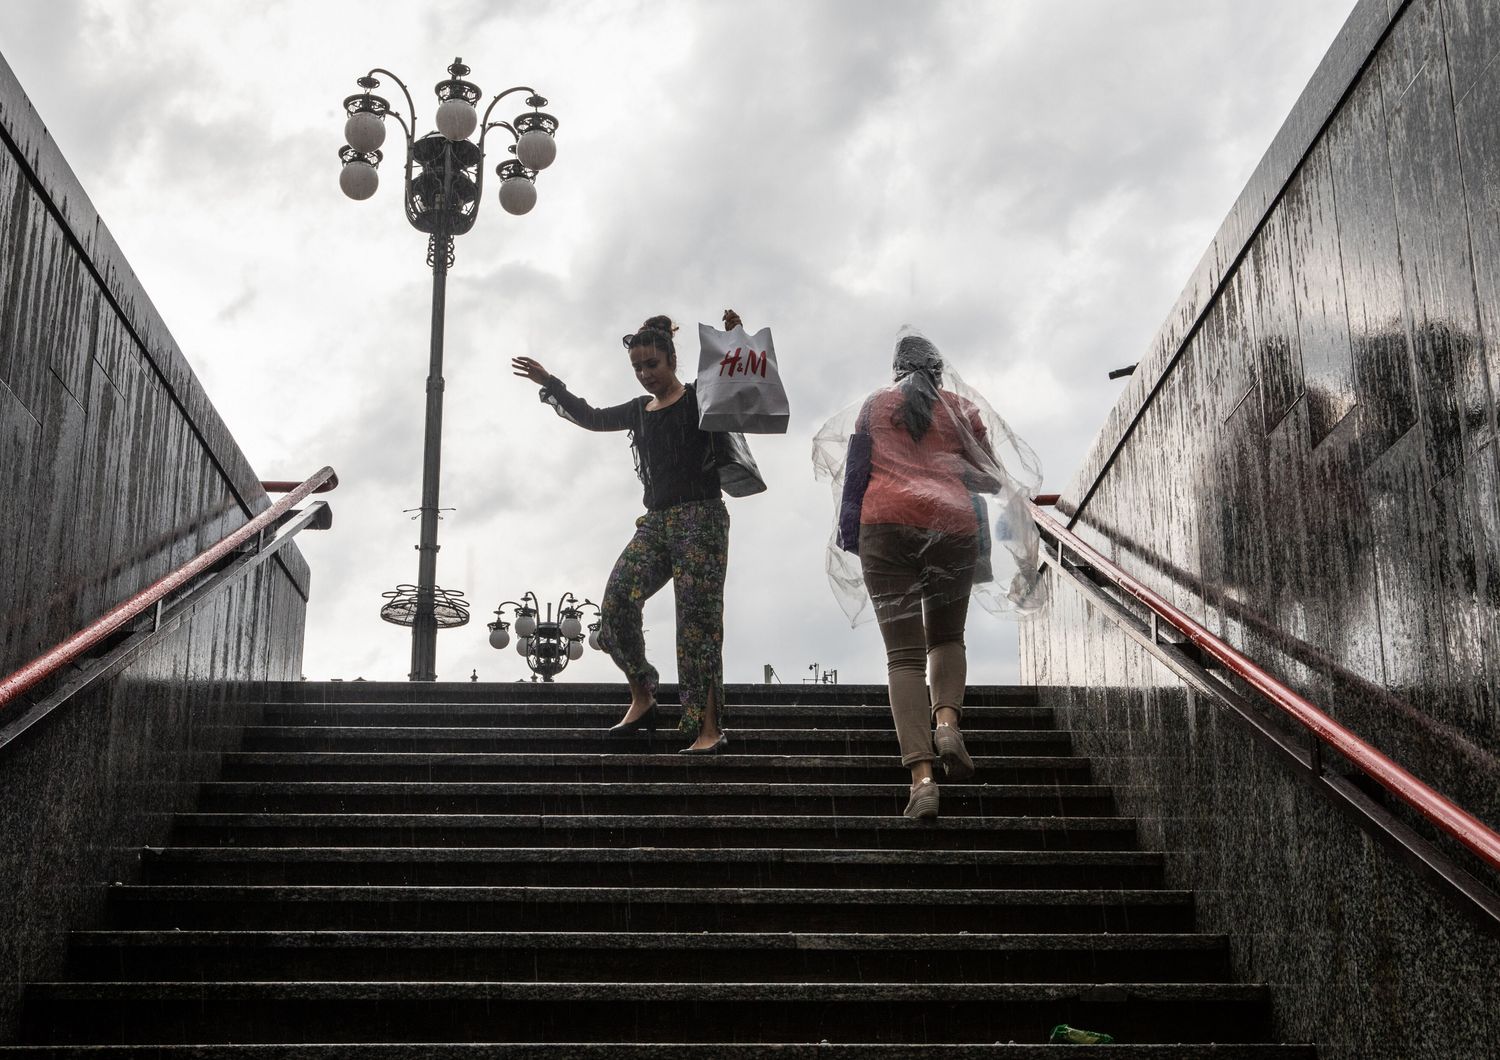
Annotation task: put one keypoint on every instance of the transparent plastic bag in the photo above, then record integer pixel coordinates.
(926, 472)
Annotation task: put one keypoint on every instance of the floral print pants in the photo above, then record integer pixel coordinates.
(689, 544)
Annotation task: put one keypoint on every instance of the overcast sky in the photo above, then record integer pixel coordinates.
(1028, 181)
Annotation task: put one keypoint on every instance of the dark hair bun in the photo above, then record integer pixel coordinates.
(656, 332)
(660, 323)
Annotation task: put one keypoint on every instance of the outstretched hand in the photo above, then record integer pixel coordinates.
(732, 320)
(529, 369)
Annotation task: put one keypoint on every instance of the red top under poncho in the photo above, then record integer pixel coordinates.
(921, 483)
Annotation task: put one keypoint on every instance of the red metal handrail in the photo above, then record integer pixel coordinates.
(50, 662)
(1452, 819)
(284, 485)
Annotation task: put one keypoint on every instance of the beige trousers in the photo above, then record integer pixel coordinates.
(919, 582)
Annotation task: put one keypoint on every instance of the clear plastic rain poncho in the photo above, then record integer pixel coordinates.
(928, 452)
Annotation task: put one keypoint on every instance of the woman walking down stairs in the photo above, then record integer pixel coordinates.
(429, 871)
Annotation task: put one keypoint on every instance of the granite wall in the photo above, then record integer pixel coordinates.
(114, 469)
(1305, 460)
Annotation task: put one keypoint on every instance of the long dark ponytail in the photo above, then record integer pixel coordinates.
(919, 372)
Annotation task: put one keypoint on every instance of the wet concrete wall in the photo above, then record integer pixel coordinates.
(114, 469)
(1306, 462)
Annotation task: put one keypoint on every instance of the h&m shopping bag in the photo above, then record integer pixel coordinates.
(739, 385)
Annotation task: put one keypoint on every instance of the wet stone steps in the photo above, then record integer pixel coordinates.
(628, 797)
(364, 1011)
(602, 715)
(563, 696)
(656, 866)
(625, 763)
(465, 908)
(545, 739)
(825, 1050)
(649, 956)
(798, 831)
(467, 871)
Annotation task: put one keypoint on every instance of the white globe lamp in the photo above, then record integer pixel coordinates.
(499, 637)
(359, 180)
(364, 131)
(456, 119)
(536, 149)
(517, 195)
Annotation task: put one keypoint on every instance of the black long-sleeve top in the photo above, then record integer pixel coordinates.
(674, 460)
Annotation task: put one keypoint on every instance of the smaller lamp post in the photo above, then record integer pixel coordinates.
(547, 644)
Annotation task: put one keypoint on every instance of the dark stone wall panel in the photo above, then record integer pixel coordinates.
(1236, 333)
(1471, 30)
(1291, 597)
(69, 305)
(1470, 587)
(1432, 226)
(1240, 496)
(19, 430)
(1479, 157)
(1406, 577)
(1193, 477)
(114, 469)
(1322, 310)
(1341, 67)
(1307, 458)
(103, 778)
(103, 460)
(1345, 645)
(53, 503)
(114, 351)
(25, 240)
(1177, 551)
(1371, 260)
(1278, 351)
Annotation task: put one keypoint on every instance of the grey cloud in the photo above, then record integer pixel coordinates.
(237, 306)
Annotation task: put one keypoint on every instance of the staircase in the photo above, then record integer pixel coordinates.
(466, 871)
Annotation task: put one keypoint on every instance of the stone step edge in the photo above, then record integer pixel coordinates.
(558, 732)
(607, 787)
(662, 855)
(603, 708)
(723, 896)
(775, 941)
(403, 691)
(671, 758)
(753, 992)
(843, 822)
(604, 692)
(652, 1051)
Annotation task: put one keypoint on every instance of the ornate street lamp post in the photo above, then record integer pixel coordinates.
(547, 644)
(444, 180)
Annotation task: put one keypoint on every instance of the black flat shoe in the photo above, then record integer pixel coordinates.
(712, 749)
(645, 723)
